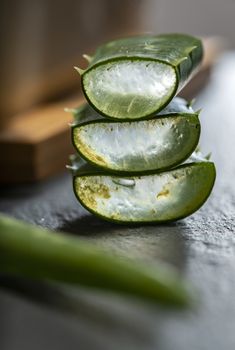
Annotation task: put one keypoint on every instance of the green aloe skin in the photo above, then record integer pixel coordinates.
(136, 150)
(160, 197)
(136, 77)
(33, 252)
(159, 143)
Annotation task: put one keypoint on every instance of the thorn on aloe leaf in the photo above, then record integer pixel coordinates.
(71, 124)
(198, 111)
(87, 58)
(70, 110)
(79, 70)
(191, 103)
(71, 167)
(68, 167)
(75, 160)
(208, 156)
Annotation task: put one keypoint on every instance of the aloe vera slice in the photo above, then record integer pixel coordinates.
(136, 77)
(160, 197)
(137, 146)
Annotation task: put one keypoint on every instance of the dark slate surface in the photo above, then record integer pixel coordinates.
(38, 316)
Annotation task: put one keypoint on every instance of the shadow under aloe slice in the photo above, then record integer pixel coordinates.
(159, 197)
(136, 77)
(137, 146)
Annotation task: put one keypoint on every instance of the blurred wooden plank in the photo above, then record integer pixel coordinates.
(36, 144)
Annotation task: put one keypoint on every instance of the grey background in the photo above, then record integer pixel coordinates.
(200, 17)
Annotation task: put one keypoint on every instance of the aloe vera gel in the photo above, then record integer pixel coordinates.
(157, 197)
(133, 136)
(137, 147)
(136, 77)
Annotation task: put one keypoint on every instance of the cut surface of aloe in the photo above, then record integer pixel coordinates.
(137, 146)
(161, 197)
(136, 77)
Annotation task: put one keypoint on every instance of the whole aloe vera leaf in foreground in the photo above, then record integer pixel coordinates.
(159, 197)
(136, 77)
(37, 253)
(137, 146)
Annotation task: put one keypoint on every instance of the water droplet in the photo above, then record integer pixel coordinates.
(124, 182)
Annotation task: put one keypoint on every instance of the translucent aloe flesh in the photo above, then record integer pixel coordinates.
(36, 253)
(136, 77)
(138, 146)
(160, 197)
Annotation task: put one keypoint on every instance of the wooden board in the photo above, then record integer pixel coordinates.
(36, 144)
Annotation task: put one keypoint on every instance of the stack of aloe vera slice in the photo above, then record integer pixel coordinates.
(134, 139)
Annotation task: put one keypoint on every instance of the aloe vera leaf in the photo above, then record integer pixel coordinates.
(138, 76)
(137, 146)
(37, 253)
(86, 113)
(160, 197)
